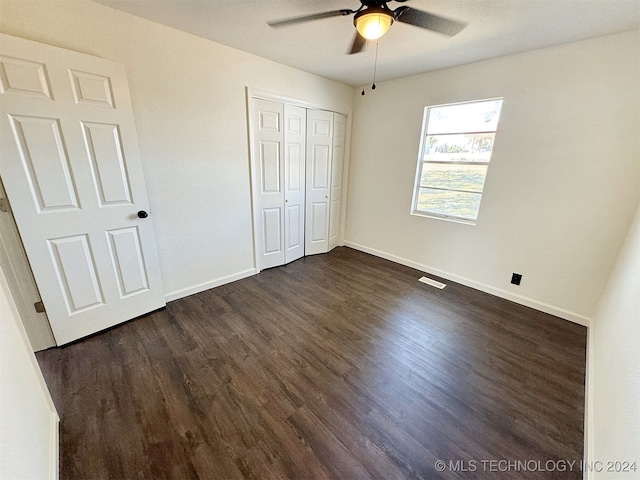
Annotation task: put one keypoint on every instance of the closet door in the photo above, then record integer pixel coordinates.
(339, 124)
(269, 185)
(319, 153)
(295, 131)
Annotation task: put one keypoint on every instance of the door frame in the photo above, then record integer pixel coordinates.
(250, 94)
(16, 268)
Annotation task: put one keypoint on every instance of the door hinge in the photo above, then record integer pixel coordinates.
(4, 205)
(39, 306)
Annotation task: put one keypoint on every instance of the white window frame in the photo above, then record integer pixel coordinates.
(421, 161)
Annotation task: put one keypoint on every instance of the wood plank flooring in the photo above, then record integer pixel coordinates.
(337, 366)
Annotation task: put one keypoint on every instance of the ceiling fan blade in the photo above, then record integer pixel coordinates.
(308, 18)
(428, 21)
(358, 44)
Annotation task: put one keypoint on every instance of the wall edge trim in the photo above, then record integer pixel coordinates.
(589, 441)
(54, 450)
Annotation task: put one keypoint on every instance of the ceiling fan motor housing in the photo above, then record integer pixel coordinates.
(373, 21)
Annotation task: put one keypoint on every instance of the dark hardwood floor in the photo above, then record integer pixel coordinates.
(337, 366)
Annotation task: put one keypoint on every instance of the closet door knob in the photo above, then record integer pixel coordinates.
(142, 214)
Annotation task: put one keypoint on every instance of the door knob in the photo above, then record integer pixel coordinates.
(142, 214)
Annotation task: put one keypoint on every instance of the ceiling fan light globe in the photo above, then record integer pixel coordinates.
(373, 25)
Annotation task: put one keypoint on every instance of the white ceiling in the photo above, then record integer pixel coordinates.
(495, 28)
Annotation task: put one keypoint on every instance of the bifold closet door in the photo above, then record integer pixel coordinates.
(280, 148)
(337, 162)
(297, 181)
(269, 184)
(295, 131)
(319, 153)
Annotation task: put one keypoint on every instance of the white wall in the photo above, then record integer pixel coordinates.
(561, 189)
(28, 419)
(614, 366)
(189, 103)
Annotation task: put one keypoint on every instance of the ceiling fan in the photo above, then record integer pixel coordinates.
(373, 18)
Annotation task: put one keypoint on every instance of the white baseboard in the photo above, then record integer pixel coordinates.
(185, 292)
(528, 302)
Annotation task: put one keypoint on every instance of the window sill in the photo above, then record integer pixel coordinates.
(444, 217)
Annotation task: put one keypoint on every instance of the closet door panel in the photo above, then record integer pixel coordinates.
(268, 141)
(339, 125)
(318, 180)
(295, 132)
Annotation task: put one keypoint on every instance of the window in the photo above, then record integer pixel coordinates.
(455, 150)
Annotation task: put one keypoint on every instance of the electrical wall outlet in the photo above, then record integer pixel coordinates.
(516, 278)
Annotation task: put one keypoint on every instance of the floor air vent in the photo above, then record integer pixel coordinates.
(431, 282)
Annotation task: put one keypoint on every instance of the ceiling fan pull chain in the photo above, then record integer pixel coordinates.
(366, 51)
(375, 67)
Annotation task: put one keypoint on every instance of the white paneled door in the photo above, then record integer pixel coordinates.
(279, 132)
(319, 153)
(339, 127)
(72, 170)
(297, 165)
(268, 183)
(295, 131)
